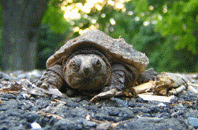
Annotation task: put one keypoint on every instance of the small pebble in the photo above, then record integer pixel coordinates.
(35, 126)
(161, 105)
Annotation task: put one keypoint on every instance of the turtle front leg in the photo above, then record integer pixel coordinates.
(52, 80)
(147, 75)
(120, 79)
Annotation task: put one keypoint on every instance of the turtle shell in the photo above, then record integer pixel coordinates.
(116, 48)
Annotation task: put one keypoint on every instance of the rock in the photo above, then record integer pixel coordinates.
(35, 74)
(116, 102)
(75, 112)
(22, 76)
(35, 126)
(31, 116)
(104, 126)
(151, 124)
(161, 105)
(42, 103)
(4, 76)
(193, 122)
(164, 115)
(192, 113)
(9, 96)
(43, 121)
(115, 114)
(73, 123)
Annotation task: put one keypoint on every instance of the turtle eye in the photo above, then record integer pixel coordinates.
(75, 64)
(96, 64)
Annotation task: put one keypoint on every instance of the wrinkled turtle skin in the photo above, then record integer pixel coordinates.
(95, 63)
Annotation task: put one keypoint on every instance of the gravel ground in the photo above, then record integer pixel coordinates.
(19, 111)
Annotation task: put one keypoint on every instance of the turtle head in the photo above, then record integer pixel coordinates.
(87, 72)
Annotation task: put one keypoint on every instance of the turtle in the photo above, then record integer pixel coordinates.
(95, 63)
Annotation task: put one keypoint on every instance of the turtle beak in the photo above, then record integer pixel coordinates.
(86, 71)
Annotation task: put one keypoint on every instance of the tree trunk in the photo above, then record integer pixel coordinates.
(20, 23)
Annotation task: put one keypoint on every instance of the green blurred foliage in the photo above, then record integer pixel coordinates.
(0, 45)
(0, 37)
(54, 17)
(0, 19)
(48, 43)
(178, 18)
(177, 21)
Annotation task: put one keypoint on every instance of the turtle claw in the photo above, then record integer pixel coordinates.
(103, 95)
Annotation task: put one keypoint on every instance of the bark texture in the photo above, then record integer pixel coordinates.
(20, 22)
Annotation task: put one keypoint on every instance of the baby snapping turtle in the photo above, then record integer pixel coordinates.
(95, 62)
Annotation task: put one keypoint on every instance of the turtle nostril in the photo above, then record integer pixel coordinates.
(86, 71)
